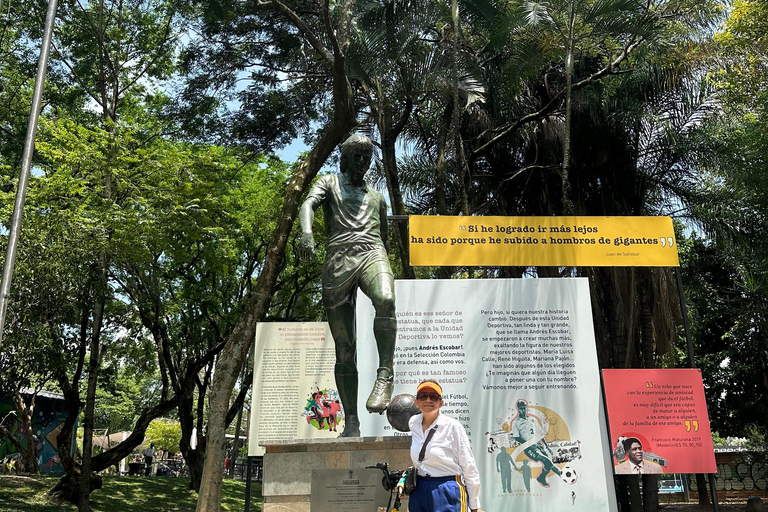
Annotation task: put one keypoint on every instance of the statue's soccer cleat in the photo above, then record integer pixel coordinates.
(382, 391)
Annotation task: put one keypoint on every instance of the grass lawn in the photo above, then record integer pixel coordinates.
(121, 494)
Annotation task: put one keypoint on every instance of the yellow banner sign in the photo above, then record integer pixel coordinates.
(543, 241)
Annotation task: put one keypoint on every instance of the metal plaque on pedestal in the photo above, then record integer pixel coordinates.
(347, 490)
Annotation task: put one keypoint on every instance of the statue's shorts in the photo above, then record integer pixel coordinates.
(350, 267)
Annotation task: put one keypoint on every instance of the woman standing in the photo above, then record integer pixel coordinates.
(448, 480)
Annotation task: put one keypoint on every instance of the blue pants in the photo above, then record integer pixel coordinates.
(438, 494)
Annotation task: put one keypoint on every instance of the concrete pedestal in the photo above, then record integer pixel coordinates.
(288, 465)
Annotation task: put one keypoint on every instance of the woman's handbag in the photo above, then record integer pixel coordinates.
(410, 480)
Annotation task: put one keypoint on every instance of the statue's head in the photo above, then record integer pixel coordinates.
(356, 154)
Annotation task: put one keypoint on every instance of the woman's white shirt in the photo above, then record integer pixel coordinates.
(448, 453)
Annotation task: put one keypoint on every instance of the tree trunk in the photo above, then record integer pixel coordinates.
(389, 134)
(441, 165)
(196, 464)
(630, 316)
(599, 297)
(650, 493)
(232, 357)
(566, 184)
(28, 452)
(646, 324)
(701, 485)
(65, 437)
(71, 392)
(235, 443)
(69, 487)
(615, 314)
(192, 456)
(635, 501)
(459, 162)
(239, 342)
(90, 397)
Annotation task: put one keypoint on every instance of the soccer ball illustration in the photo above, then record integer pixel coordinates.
(400, 410)
(569, 475)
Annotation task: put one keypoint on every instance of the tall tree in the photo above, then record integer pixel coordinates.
(106, 49)
(328, 36)
(726, 275)
(395, 58)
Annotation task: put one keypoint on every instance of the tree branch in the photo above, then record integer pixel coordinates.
(293, 18)
(240, 400)
(531, 168)
(608, 69)
(76, 76)
(157, 55)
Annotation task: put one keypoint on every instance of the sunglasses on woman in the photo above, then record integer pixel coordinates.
(432, 396)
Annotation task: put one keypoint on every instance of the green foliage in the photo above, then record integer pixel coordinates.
(744, 48)
(16, 80)
(726, 273)
(757, 437)
(727, 326)
(269, 110)
(717, 440)
(122, 393)
(165, 433)
(111, 53)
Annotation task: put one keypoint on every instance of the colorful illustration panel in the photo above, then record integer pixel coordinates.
(658, 421)
(294, 389)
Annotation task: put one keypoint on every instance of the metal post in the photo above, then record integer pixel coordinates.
(684, 313)
(692, 357)
(248, 462)
(26, 164)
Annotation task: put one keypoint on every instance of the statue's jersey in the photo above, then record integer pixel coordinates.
(352, 214)
(355, 251)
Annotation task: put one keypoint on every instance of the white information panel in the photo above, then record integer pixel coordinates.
(498, 346)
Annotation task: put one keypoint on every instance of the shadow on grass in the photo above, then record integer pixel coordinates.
(122, 494)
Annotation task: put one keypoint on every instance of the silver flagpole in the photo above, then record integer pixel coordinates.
(26, 164)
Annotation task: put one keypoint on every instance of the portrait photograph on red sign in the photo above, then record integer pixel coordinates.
(658, 422)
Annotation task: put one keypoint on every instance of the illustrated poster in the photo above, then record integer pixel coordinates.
(294, 389)
(517, 362)
(662, 414)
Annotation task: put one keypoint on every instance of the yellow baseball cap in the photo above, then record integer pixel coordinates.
(434, 386)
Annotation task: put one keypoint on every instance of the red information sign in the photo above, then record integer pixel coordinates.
(658, 421)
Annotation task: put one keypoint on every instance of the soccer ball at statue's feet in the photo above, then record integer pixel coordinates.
(400, 410)
(569, 475)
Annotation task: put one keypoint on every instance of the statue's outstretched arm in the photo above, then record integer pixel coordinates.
(306, 247)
